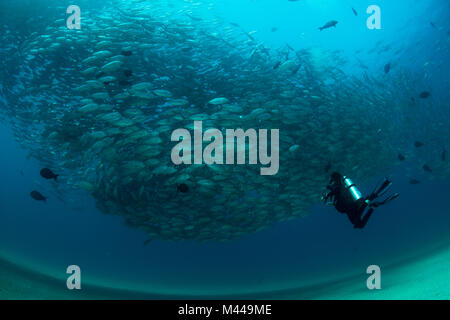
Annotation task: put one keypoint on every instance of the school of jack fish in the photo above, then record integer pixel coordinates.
(100, 105)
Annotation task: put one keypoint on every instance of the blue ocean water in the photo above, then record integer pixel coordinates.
(66, 230)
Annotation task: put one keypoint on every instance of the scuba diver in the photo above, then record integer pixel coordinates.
(343, 194)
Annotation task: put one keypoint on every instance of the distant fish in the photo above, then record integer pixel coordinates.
(48, 174)
(274, 29)
(414, 181)
(37, 196)
(424, 94)
(277, 65)
(329, 24)
(354, 11)
(253, 52)
(127, 73)
(124, 83)
(218, 101)
(183, 188)
(328, 167)
(108, 80)
(444, 155)
(401, 157)
(295, 70)
(126, 53)
(387, 68)
(427, 168)
(433, 25)
(194, 18)
(234, 24)
(250, 35)
(418, 144)
(146, 242)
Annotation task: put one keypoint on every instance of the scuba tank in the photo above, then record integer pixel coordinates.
(350, 186)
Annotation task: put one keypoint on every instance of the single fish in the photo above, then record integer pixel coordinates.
(127, 73)
(108, 81)
(414, 181)
(126, 53)
(418, 144)
(444, 155)
(253, 52)
(427, 168)
(424, 94)
(36, 195)
(250, 36)
(48, 174)
(401, 157)
(146, 242)
(328, 167)
(295, 70)
(124, 83)
(433, 25)
(329, 24)
(354, 12)
(277, 65)
(194, 18)
(183, 188)
(274, 29)
(387, 68)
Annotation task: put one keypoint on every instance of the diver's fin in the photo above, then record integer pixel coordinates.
(388, 199)
(380, 189)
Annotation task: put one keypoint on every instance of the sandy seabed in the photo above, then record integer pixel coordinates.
(423, 277)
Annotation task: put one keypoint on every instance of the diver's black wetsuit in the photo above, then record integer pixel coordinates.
(358, 209)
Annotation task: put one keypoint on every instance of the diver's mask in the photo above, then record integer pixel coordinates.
(329, 201)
